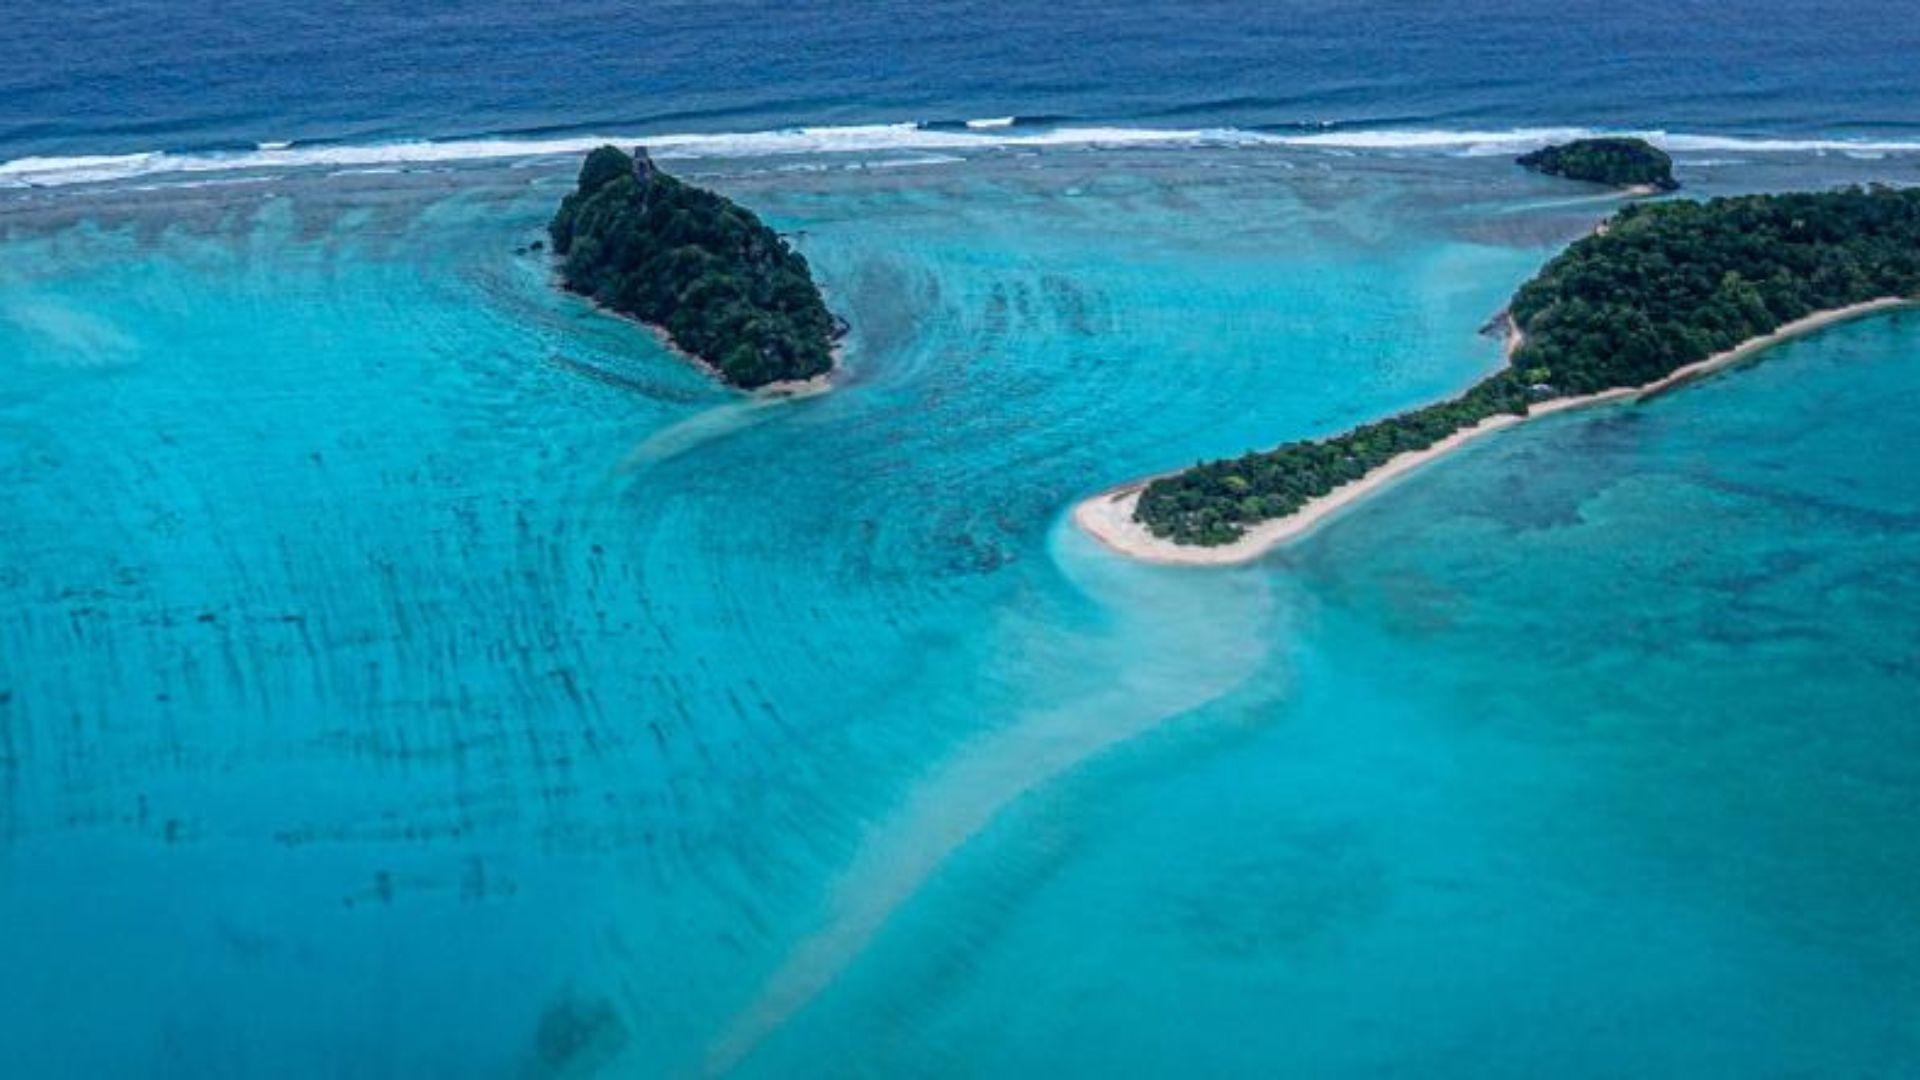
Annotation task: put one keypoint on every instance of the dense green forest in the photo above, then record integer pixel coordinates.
(722, 284)
(1621, 162)
(1660, 286)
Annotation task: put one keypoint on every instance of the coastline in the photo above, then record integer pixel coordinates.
(1108, 516)
(781, 390)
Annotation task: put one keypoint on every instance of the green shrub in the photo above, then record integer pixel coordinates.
(1663, 286)
(723, 285)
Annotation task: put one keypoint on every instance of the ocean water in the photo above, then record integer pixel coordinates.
(408, 671)
(411, 672)
(140, 75)
(130, 88)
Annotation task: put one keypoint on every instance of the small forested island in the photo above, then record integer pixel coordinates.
(1660, 292)
(722, 285)
(1621, 162)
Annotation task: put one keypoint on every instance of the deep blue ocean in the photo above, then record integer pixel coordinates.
(132, 76)
(408, 671)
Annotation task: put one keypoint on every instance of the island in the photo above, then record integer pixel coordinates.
(1659, 294)
(725, 290)
(1635, 164)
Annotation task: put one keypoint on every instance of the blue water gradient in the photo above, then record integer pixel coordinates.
(124, 76)
(408, 671)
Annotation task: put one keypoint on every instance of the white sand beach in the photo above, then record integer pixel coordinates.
(1108, 516)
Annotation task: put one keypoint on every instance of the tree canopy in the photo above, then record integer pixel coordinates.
(723, 285)
(1621, 162)
(1660, 286)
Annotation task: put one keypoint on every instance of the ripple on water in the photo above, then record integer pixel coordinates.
(424, 686)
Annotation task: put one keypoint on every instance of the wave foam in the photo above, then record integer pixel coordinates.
(1472, 143)
(997, 133)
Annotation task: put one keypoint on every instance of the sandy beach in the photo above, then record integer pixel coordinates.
(789, 389)
(780, 390)
(1108, 516)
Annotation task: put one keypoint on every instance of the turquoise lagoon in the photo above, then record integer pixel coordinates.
(407, 671)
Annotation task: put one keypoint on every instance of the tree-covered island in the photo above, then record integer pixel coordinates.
(721, 284)
(1660, 286)
(1620, 162)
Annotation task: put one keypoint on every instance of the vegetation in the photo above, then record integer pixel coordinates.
(1660, 286)
(724, 286)
(1619, 162)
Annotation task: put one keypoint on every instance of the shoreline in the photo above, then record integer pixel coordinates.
(779, 390)
(1108, 515)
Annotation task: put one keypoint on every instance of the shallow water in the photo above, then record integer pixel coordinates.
(409, 671)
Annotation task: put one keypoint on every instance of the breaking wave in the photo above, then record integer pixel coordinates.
(978, 135)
